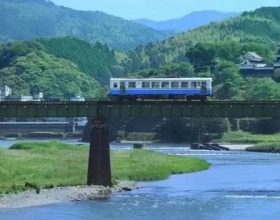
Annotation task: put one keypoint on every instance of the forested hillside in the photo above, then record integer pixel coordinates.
(30, 19)
(261, 26)
(60, 67)
(96, 60)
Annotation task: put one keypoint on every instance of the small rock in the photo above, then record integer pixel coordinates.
(126, 189)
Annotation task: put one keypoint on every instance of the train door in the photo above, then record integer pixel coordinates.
(122, 88)
(203, 88)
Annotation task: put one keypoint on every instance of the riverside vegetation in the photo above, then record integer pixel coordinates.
(48, 165)
(241, 137)
(265, 147)
(262, 143)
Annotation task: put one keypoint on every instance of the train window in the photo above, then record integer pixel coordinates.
(198, 84)
(155, 84)
(174, 84)
(193, 84)
(131, 84)
(115, 85)
(145, 84)
(184, 84)
(164, 84)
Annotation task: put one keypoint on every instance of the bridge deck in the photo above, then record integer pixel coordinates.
(156, 108)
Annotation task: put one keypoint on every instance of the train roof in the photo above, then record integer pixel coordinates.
(161, 79)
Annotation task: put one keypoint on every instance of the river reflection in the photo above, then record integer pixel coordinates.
(237, 186)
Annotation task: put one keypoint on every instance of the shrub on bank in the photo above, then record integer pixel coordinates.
(137, 136)
(44, 134)
(55, 164)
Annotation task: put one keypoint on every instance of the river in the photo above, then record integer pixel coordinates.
(238, 185)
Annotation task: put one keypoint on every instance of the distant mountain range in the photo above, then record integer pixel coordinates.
(188, 22)
(31, 19)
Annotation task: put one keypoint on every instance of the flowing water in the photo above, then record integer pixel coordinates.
(238, 185)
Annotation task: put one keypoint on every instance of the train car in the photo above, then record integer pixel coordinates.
(160, 88)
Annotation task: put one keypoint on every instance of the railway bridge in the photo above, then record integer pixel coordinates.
(99, 167)
(124, 109)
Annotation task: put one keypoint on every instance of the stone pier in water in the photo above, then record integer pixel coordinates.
(99, 165)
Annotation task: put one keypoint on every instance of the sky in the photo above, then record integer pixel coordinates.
(163, 9)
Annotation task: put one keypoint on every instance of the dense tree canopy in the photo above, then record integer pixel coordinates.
(95, 60)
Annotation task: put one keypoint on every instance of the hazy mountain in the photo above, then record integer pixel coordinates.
(188, 22)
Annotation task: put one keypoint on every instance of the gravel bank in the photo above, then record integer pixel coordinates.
(62, 194)
(237, 146)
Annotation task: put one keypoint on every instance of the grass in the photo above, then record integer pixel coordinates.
(52, 164)
(265, 148)
(263, 143)
(241, 137)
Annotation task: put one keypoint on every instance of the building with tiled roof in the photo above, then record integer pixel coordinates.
(253, 65)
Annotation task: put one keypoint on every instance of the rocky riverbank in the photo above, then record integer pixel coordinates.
(62, 194)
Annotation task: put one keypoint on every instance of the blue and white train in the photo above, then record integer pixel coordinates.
(161, 88)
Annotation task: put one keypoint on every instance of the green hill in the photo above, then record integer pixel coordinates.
(261, 26)
(60, 67)
(31, 19)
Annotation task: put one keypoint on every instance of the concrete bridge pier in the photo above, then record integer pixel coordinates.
(99, 165)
